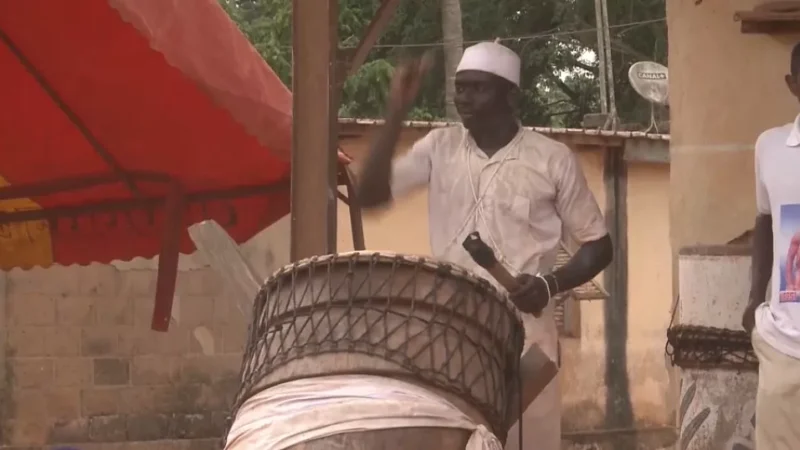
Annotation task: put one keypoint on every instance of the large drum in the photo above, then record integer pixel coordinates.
(410, 319)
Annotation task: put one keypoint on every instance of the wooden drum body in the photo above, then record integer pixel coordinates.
(401, 317)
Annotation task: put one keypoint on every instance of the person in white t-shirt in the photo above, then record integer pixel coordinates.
(774, 319)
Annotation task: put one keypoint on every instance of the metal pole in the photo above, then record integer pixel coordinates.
(601, 55)
(612, 100)
(315, 127)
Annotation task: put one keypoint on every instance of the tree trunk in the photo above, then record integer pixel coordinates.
(453, 38)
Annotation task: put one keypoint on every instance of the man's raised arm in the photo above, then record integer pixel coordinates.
(374, 189)
(374, 180)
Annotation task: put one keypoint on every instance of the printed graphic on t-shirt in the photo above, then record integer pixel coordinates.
(790, 258)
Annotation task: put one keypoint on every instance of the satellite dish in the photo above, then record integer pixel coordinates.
(651, 81)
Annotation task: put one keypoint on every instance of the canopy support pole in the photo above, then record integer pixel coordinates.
(347, 179)
(314, 128)
(168, 258)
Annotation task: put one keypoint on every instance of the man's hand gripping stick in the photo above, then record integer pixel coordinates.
(536, 369)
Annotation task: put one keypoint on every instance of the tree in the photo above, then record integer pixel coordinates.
(453, 37)
(553, 38)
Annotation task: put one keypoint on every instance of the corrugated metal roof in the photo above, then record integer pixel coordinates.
(543, 130)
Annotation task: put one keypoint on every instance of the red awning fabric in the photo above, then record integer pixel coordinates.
(166, 94)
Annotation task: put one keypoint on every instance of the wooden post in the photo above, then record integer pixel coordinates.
(168, 257)
(315, 128)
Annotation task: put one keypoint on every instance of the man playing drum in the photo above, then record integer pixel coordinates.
(517, 188)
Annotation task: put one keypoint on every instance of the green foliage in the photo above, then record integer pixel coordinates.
(365, 94)
(558, 87)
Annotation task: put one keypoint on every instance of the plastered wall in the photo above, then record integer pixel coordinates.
(725, 89)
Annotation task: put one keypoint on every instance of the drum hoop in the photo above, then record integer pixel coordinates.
(443, 268)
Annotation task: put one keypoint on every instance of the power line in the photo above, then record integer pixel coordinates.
(523, 37)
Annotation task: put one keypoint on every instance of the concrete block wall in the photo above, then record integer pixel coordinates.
(80, 367)
(83, 366)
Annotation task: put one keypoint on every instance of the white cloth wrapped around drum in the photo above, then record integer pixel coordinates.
(364, 341)
(309, 409)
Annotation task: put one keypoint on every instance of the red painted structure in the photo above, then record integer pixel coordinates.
(124, 121)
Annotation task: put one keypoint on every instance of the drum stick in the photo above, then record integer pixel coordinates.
(483, 255)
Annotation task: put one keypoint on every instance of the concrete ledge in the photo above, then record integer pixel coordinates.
(716, 250)
(646, 151)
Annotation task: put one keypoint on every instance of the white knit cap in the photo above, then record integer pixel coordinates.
(493, 58)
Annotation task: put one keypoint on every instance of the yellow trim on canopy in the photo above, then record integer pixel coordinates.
(24, 244)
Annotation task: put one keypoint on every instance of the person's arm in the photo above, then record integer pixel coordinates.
(374, 189)
(761, 264)
(383, 180)
(761, 270)
(376, 181)
(583, 220)
(590, 259)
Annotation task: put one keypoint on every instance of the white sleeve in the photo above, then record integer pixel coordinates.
(762, 196)
(413, 169)
(575, 203)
